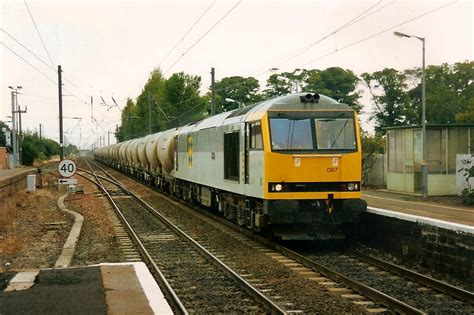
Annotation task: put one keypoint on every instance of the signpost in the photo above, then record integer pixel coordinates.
(68, 181)
(67, 168)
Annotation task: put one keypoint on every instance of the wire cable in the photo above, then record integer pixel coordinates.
(39, 34)
(202, 36)
(187, 32)
(176, 45)
(41, 60)
(379, 33)
(27, 62)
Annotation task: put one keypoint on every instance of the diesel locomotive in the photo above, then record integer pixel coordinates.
(289, 166)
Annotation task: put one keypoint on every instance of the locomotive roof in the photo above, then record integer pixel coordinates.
(297, 102)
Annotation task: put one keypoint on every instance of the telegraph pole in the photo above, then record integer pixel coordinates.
(213, 93)
(20, 135)
(149, 113)
(129, 124)
(14, 128)
(60, 94)
(40, 131)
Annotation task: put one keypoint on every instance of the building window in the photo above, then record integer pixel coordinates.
(396, 151)
(436, 158)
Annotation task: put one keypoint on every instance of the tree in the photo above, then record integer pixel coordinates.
(371, 146)
(33, 148)
(282, 84)
(180, 101)
(449, 89)
(243, 91)
(388, 89)
(336, 83)
(468, 115)
(126, 130)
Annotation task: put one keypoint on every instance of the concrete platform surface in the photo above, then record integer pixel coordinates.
(126, 288)
(401, 203)
(7, 176)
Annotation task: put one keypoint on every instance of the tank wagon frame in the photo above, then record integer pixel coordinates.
(289, 165)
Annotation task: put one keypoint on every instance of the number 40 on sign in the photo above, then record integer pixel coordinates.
(67, 168)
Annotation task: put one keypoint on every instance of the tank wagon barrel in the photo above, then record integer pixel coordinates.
(289, 165)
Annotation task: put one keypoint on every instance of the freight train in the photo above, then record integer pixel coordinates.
(289, 166)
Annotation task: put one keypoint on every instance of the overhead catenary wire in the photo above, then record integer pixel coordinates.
(365, 38)
(52, 68)
(366, 13)
(39, 34)
(187, 32)
(27, 62)
(361, 16)
(176, 45)
(203, 35)
(379, 33)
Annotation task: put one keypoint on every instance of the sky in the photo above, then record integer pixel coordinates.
(108, 48)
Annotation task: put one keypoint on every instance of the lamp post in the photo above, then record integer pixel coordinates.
(230, 100)
(424, 164)
(14, 94)
(295, 84)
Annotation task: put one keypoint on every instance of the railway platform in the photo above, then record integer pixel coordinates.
(121, 288)
(13, 179)
(443, 210)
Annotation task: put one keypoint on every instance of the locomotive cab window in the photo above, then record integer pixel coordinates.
(335, 133)
(312, 131)
(231, 156)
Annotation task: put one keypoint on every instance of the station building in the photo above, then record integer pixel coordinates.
(405, 155)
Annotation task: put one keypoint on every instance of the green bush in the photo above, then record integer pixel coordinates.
(34, 148)
(467, 196)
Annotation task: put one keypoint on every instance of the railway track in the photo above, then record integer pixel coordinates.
(307, 268)
(194, 279)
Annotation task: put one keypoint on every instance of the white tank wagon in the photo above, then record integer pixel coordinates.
(115, 151)
(166, 150)
(134, 151)
(128, 150)
(141, 152)
(151, 152)
(122, 158)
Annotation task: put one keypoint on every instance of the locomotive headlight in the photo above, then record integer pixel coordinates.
(351, 186)
(278, 187)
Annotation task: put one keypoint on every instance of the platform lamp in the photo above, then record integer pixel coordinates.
(424, 163)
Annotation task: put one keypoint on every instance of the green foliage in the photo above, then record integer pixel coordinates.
(388, 89)
(467, 196)
(336, 83)
(468, 115)
(243, 91)
(371, 146)
(397, 95)
(172, 102)
(277, 87)
(33, 148)
(467, 171)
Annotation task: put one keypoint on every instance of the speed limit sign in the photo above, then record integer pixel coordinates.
(67, 168)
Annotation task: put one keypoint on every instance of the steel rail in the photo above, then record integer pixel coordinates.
(269, 304)
(444, 287)
(175, 301)
(357, 286)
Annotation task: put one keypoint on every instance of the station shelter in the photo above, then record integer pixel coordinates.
(405, 155)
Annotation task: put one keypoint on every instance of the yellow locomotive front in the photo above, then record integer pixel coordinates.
(312, 169)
